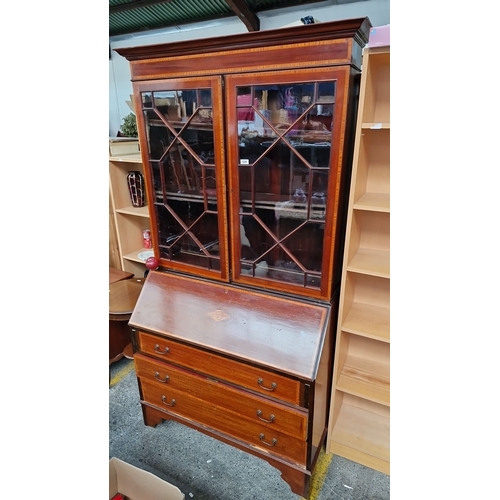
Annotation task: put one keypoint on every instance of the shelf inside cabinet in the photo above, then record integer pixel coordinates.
(118, 171)
(179, 124)
(366, 379)
(370, 321)
(132, 158)
(372, 173)
(136, 211)
(366, 308)
(363, 366)
(131, 231)
(374, 202)
(377, 88)
(363, 430)
(134, 255)
(368, 248)
(376, 125)
(372, 262)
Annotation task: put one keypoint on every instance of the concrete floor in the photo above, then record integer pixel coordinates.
(206, 469)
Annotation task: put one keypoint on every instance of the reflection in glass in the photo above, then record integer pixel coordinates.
(284, 138)
(179, 130)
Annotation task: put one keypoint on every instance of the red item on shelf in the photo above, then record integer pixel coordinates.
(152, 263)
(246, 114)
(146, 238)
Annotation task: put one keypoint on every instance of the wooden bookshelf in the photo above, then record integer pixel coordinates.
(129, 221)
(359, 424)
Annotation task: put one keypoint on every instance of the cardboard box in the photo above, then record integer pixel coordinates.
(380, 36)
(119, 146)
(137, 484)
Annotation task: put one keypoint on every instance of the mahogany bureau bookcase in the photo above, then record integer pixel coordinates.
(246, 142)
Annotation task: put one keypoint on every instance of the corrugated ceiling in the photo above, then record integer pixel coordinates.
(129, 16)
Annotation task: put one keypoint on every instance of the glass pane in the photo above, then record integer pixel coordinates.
(147, 99)
(284, 138)
(179, 127)
(187, 239)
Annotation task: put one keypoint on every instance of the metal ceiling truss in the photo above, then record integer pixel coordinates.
(127, 16)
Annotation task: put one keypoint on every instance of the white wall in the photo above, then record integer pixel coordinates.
(120, 86)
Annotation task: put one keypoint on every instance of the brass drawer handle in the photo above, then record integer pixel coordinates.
(157, 377)
(259, 413)
(157, 349)
(164, 399)
(273, 385)
(262, 437)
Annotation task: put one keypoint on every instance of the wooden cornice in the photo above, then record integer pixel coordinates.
(358, 29)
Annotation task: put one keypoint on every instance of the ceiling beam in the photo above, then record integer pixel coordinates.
(135, 5)
(240, 8)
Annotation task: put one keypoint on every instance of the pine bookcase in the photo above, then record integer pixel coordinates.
(359, 423)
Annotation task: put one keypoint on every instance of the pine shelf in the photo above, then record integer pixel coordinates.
(375, 202)
(368, 320)
(362, 436)
(372, 262)
(365, 378)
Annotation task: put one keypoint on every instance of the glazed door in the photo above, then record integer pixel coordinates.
(180, 121)
(285, 150)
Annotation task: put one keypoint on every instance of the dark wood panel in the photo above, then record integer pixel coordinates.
(321, 53)
(119, 338)
(264, 411)
(286, 389)
(118, 275)
(297, 477)
(218, 418)
(280, 333)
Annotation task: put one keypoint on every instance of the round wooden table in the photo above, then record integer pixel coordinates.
(123, 296)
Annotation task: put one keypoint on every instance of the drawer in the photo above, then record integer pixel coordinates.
(261, 410)
(220, 419)
(257, 379)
